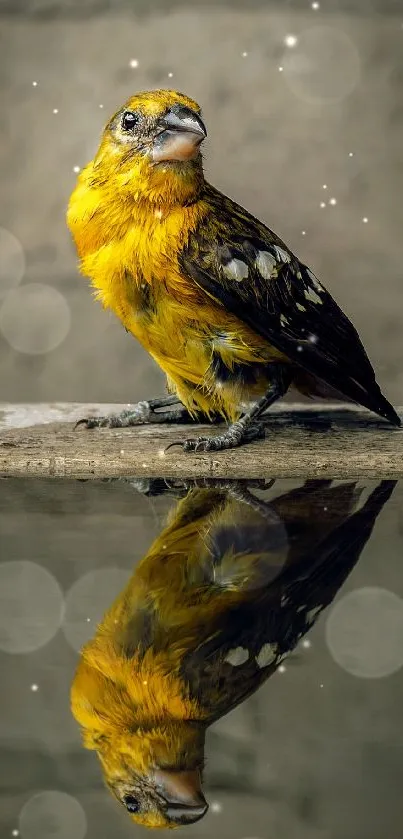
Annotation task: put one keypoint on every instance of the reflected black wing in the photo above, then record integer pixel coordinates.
(247, 269)
(269, 624)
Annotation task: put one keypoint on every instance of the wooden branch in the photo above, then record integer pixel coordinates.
(302, 441)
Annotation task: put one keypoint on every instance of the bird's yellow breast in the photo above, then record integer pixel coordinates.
(131, 256)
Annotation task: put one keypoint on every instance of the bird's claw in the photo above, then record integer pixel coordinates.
(236, 434)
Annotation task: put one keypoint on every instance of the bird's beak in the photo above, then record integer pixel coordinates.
(183, 795)
(180, 132)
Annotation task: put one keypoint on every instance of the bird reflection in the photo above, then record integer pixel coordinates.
(226, 591)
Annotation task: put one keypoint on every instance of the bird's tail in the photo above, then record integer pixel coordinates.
(377, 403)
(369, 394)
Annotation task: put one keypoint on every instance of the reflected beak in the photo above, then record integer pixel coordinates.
(183, 795)
(181, 131)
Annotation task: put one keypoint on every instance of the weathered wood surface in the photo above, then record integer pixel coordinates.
(301, 442)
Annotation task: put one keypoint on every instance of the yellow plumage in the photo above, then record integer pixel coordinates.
(130, 223)
(217, 299)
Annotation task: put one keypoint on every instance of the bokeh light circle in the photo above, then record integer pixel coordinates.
(12, 261)
(35, 318)
(324, 65)
(31, 606)
(52, 815)
(87, 601)
(364, 632)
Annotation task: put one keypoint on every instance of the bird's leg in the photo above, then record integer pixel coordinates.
(141, 413)
(250, 426)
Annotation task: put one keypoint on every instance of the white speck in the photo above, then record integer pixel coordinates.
(351, 154)
(281, 255)
(321, 686)
(313, 339)
(291, 40)
(88, 620)
(55, 110)
(303, 232)
(333, 202)
(280, 69)
(325, 508)
(145, 465)
(170, 75)
(158, 213)
(15, 833)
(315, 5)
(365, 220)
(237, 656)
(236, 270)
(76, 168)
(244, 54)
(161, 453)
(145, 682)
(322, 204)
(299, 348)
(300, 307)
(163, 547)
(324, 186)
(215, 807)
(306, 644)
(134, 62)
(282, 668)
(266, 655)
(100, 106)
(265, 263)
(34, 84)
(34, 688)
(122, 451)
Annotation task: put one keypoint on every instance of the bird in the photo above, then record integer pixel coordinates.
(228, 588)
(218, 300)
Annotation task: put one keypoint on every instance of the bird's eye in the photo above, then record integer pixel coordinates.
(129, 120)
(131, 804)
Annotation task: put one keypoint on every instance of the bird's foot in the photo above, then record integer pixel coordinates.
(141, 413)
(138, 415)
(236, 435)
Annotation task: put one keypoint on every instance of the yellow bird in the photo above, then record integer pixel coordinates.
(229, 587)
(218, 300)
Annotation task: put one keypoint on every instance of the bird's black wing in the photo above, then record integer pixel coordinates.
(246, 268)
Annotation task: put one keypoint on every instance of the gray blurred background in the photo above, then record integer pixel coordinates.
(303, 102)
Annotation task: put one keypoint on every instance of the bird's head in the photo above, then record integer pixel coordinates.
(151, 148)
(152, 756)
(156, 774)
(161, 797)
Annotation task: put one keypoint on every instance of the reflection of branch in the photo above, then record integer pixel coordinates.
(178, 488)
